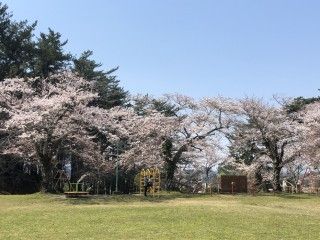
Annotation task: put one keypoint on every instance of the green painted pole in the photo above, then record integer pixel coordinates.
(117, 168)
(117, 174)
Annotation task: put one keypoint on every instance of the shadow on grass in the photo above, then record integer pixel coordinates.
(287, 195)
(295, 196)
(129, 198)
(136, 198)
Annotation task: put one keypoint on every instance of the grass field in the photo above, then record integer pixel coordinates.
(172, 216)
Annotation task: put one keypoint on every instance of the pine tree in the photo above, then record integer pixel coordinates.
(50, 56)
(299, 103)
(16, 45)
(107, 84)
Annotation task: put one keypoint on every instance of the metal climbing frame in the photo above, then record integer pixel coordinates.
(61, 179)
(154, 175)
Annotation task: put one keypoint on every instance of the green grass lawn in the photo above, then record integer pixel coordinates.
(172, 216)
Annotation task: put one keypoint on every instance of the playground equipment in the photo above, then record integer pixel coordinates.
(152, 174)
(288, 187)
(62, 181)
(77, 189)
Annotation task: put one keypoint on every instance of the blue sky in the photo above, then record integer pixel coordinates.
(199, 48)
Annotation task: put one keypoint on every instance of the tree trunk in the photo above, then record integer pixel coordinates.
(276, 177)
(171, 167)
(47, 176)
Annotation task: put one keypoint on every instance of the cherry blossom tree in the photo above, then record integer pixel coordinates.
(310, 118)
(201, 124)
(196, 171)
(271, 137)
(182, 129)
(52, 119)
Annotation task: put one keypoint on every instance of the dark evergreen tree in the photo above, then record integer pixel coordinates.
(299, 103)
(107, 84)
(142, 104)
(50, 55)
(17, 47)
